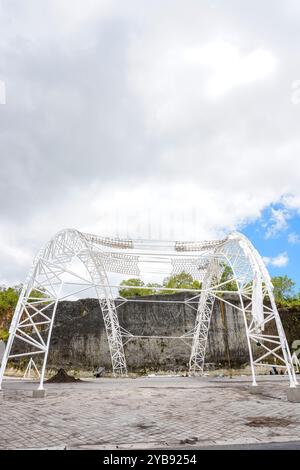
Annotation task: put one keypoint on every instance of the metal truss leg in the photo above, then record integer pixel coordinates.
(248, 266)
(12, 331)
(49, 333)
(285, 348)
(5, 357)
(254, 383)
(204, 312)
(109, 312)
(114, 337)
(34, 317)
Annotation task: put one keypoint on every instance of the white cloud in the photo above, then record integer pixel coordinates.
(229, 68)
(125, 119)
(278, 222)
(15, 259)
(292, 201)
(293, 238)
(278, 261)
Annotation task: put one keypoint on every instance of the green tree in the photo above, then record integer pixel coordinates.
(283, 288)
(8, 300)
(226, 277)
(137, 288)
(182, 280)
(152, 287)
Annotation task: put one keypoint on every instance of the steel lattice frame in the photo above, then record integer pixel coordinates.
(55, 277)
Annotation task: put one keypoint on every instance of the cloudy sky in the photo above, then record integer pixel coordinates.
(165, 119)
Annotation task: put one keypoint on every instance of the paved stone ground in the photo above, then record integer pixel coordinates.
(156, 412)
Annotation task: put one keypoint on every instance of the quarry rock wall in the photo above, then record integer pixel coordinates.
(79, 337)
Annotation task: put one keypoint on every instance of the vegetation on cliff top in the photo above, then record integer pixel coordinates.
(8, 301)
(284, 290)
(182, 280)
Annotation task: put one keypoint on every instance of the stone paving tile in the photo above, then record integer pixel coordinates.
(126, 412)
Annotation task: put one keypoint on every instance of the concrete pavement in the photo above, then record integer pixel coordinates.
(148, 412)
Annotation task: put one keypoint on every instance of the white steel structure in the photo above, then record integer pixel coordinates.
(31, 368)
(74, 264)
(296, 362)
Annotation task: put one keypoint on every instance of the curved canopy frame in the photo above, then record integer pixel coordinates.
(76, 264)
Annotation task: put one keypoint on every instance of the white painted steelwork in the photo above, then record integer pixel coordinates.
(74, 264)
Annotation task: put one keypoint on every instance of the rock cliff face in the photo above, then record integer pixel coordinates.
(79, 337)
